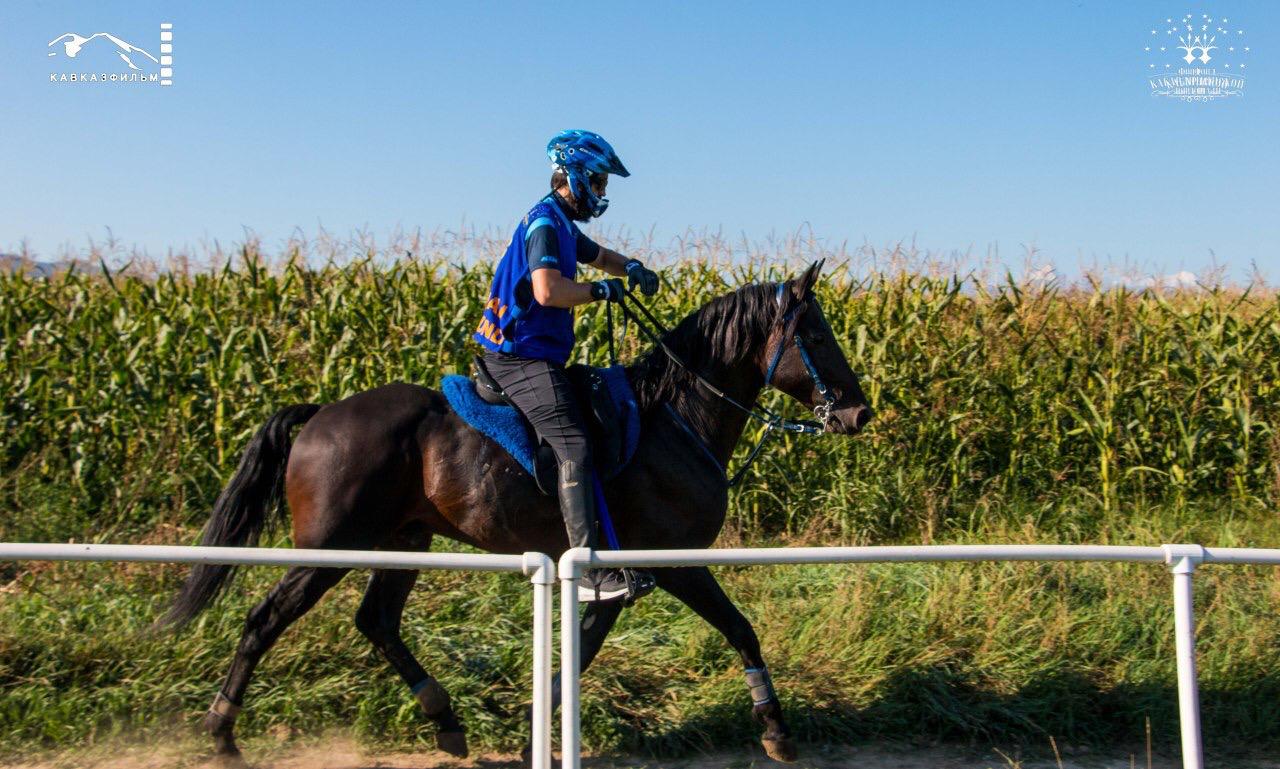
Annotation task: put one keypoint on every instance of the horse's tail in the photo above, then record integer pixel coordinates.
(244, 509)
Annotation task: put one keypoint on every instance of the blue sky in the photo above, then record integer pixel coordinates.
(959, 125)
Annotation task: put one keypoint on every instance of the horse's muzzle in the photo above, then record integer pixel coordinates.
(850, 420)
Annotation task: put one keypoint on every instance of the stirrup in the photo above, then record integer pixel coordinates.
(639, 584)
(633, 586)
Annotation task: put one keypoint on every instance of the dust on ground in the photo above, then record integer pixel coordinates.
(344, 753)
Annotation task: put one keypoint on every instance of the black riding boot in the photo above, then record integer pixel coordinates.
(578, 506)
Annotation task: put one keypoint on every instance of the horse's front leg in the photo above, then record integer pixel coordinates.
(700, 591)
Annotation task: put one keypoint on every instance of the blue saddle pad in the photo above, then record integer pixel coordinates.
(510, 430)
(499, 422)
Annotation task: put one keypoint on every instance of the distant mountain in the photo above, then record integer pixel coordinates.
(13, 263)
(72, 43)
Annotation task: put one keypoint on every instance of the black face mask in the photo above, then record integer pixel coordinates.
(575, 208)
(580, 212)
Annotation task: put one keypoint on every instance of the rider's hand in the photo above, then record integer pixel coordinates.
(610, 290)
(638, 274)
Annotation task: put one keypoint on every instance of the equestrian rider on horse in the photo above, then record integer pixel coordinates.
(527, 328)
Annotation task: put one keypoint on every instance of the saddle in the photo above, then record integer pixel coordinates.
(605, 400)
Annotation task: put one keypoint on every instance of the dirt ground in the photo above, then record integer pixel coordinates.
(343, 753)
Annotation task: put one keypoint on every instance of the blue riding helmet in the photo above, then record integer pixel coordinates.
(580, 154)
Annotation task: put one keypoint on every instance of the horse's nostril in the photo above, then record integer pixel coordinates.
(861, 416)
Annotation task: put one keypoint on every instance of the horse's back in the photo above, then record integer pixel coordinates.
(367, 465)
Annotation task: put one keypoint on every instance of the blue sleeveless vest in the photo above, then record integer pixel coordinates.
(513, 321)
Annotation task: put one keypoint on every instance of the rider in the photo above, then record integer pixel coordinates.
(527, 328)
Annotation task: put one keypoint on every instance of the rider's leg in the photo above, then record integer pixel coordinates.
(542, 393)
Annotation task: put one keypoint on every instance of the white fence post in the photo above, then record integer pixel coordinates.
(1182, 560)
(542, 573)
(570, 569)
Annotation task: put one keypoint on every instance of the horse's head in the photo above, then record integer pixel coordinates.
(803, 370)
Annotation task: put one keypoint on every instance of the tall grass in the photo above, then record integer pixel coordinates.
(989, 655)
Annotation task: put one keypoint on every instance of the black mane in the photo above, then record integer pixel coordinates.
(709, 340)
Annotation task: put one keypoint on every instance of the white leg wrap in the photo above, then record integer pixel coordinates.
(431, 696)
(224, 708)
(761, 685)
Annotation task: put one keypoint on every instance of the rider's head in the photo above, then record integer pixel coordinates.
(581, 164)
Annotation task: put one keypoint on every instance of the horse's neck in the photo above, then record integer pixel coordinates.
(715, 421)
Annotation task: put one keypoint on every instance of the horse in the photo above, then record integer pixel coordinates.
(394, 467)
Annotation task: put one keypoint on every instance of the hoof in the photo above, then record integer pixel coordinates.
(222, 730)
(217, 726)
(229, 761)
(453, 743)
(780, 750)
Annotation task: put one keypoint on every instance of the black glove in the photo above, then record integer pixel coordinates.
(640, 275)
(609, 290)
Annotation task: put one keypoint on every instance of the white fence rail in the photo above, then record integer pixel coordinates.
(538, 567)
(1181, 559)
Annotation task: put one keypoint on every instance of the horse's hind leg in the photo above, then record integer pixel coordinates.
(696, 588)
(288, 600)
(597, 620)
(379, 619)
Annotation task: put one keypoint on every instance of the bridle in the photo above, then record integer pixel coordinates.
(762, 414)
(823, 410)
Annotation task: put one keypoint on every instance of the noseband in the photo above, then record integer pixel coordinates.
(765, 416)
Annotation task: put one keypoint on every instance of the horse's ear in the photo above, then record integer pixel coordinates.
(802, 286)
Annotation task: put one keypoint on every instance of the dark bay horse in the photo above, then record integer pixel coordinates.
(393, 467)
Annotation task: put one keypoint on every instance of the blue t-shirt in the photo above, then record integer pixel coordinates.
(513, 322)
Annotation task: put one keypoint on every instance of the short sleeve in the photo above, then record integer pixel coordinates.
(588, 249)
(542, 247)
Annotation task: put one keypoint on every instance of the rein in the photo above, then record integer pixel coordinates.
(765, 416)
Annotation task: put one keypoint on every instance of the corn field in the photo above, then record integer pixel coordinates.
(1007, 411)
(128, 396)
